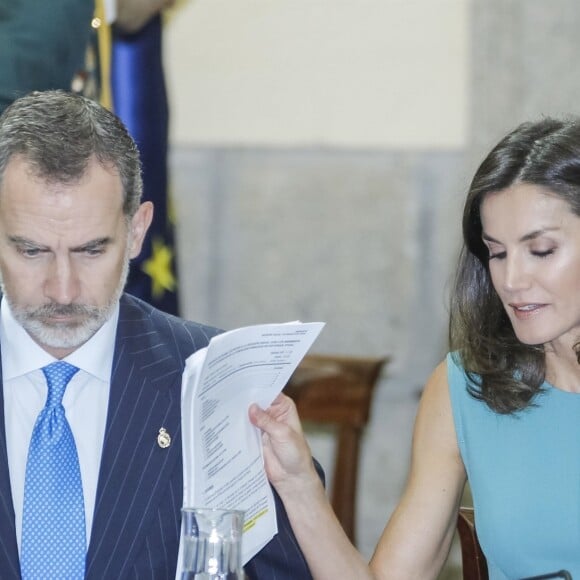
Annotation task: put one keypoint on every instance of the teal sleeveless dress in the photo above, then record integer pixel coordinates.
(524, 474)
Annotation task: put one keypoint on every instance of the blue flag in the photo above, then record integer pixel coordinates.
(140, 101)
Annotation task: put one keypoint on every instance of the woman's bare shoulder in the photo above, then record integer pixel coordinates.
(436, 391)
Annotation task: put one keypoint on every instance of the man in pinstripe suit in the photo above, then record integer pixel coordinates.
(71, 218)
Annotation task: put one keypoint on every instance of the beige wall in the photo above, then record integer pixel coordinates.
(353, 73)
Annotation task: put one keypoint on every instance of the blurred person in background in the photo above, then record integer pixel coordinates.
(42, 45)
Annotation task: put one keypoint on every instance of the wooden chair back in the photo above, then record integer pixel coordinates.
(337, 390)
(473, 560)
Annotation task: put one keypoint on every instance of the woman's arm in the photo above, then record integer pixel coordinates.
(416, 541)
(290, 469)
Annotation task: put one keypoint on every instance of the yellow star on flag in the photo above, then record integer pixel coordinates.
(158, 267)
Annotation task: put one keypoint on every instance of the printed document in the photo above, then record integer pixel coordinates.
(222, 450)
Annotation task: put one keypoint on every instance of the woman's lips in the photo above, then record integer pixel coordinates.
(526, 310)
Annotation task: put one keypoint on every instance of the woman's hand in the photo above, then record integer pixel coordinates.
(287, 456)
(291, 471)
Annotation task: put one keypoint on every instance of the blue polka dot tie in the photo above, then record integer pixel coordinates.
(53, 519)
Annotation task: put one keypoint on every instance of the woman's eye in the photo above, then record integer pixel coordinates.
(496, 255)
(543, 254)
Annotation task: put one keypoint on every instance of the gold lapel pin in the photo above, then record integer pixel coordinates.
(164, 438)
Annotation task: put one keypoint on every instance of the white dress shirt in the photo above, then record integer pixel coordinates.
(85, 402)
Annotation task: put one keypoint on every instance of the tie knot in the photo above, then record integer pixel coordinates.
(58, 374)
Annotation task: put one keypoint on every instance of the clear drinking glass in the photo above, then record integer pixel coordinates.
(212, 544)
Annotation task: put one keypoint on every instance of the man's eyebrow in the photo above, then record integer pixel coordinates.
(93, 244)
(90, 245)
(531, 236)
(22, 241)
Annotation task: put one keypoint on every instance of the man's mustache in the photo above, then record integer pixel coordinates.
(50, 310)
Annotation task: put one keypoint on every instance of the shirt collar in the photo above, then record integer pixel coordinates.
(21, 355)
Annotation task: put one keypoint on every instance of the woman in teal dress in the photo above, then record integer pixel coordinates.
(503, 408)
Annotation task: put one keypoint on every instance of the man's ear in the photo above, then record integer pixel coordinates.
(140, 223)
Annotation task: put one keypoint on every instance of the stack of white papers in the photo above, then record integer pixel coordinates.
(222, 450)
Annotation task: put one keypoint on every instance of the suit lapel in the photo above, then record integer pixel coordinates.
(144, 398)
(9, 562)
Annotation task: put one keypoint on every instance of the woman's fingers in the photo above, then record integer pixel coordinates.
(282, 411)
(286, 452)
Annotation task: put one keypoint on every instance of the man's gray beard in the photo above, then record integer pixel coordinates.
(66, 334)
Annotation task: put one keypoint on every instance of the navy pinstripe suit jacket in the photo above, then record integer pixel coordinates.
(136, 525)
